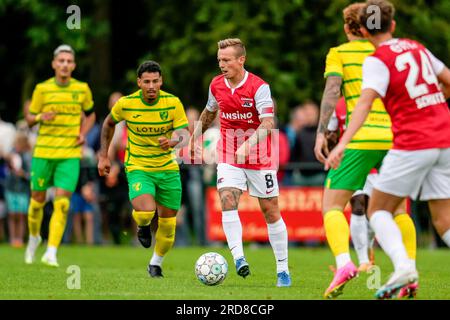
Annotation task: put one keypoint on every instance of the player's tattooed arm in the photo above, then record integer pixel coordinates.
(327, 106)
(330, 98)
(229, 198)
(104, 164)
(204, 122)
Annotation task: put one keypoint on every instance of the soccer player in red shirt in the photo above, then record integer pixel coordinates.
(406, 76)
(245, 107)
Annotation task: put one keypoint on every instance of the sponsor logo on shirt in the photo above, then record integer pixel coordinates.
(152, 129)
(237, 115)
(247, 102)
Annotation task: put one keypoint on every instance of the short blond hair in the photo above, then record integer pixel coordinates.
(351, 17)
(236, 43)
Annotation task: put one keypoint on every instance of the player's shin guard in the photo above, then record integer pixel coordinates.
(143, 218)
(278, 238)
(338, 234)
(58, 221)
(165, 235)
(35, 215)
(359, 231)
(408, 230)
(446, 237)
(232, 228)
(390, 238)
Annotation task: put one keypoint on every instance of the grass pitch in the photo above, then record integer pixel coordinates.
(120, 273)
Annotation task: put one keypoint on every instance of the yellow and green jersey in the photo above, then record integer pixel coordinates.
(145, 124)
(346, 61)
(57, 139)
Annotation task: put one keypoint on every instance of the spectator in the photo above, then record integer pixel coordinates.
(84, 201)
(7, 132)
(296, 123)
(303, 152)
(17, 188)
(190, 219)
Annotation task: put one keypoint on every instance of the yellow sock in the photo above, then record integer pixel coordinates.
(35, 215)
(58, 221)
(143, 218)
(165, 235)
(337, 231)
(408, 230)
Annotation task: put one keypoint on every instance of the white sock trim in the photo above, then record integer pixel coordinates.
(51, 251)
(230, 216)
(446, 237)
(156, 260)
(276, 227)
(342, 259)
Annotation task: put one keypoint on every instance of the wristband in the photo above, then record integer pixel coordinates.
(38, 117)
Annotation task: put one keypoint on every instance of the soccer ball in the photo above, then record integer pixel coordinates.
(211, 268)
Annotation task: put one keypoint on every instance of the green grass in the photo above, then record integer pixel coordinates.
(120, 273)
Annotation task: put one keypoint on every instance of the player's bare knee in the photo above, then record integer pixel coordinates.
(38, 196)
(229, 198)
(359, 204)
(228, 201)
(270, 209)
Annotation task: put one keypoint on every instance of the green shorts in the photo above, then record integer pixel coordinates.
(354, 168)
(60, 173)
(164, 186)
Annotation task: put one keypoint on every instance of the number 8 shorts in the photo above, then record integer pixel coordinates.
(260, 183)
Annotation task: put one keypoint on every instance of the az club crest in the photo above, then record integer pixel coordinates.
(164, 115)
(75, 96)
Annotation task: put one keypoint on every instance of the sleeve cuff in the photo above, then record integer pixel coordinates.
(331, 74)
(114, 119)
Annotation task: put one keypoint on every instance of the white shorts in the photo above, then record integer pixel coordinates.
(260, 183)
(368, 185)
(413, 173)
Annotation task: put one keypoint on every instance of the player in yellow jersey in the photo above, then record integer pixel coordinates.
(63, 108)
(153, 119)
(365, 152)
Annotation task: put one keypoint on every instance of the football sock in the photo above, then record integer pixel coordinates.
(165, 235)
(390, 238)
(156, 260)
(58, 221)
(143, 218)
(359, 231)
(232, 228)
(338, 233)
(51, 251)
(278, 238)
(446, 237)
(35, 215)
(408, 231)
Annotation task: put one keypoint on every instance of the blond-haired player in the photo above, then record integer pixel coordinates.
(57, 105)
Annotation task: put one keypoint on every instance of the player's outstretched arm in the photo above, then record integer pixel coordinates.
(104, 164)
(330, 98)
(359, 115)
